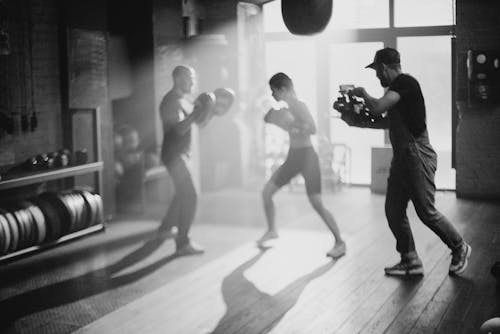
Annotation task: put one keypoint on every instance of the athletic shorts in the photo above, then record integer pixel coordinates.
(304, 161)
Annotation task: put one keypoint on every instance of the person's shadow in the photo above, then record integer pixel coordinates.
(249, 310)
(81, 287)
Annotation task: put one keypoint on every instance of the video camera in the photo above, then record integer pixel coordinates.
(348, 103)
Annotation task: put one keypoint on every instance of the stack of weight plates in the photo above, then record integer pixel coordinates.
(47, 217)
(10, 231)
(75, 209)
(92, 206)
(22, 225)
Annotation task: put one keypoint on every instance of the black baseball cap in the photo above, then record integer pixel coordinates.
(385, 56)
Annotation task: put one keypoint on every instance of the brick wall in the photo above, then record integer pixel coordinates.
(31, 77)
(86, 65)
(478, 131)
(47, 137)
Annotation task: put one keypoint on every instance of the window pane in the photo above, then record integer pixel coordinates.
(273, 20)
(431, 66)
(350, 70)
(411, 13)
(357, 14)
(286, 57)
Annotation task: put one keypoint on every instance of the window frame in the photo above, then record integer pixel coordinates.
(387, 35)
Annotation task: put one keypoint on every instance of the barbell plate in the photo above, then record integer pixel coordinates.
(62, 211)
(52, 218)
(14, 231)
(91, 202)
(4, 235)
(38, 220)
(100, 209)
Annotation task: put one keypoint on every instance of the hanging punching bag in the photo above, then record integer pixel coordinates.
(306, 17)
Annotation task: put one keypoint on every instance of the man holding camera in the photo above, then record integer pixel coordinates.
(413, 164)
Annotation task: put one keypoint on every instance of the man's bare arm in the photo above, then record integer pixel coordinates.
(377, 106)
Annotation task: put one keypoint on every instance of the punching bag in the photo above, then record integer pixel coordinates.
(306, 17)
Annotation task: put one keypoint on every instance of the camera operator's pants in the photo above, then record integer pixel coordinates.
(411, 177)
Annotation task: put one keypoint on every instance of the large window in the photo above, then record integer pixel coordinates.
(420, 29)
(347, 70)
(297, 59)
(431, 66)
(421, 13)
(273, 20)
(359, 14)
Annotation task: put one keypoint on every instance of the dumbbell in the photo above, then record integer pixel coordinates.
(63, 158)
(43, 161)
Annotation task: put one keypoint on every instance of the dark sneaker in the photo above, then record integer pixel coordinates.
(189, 249)
(460, 259)
(406, 267)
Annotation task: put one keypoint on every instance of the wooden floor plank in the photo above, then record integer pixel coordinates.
(333, 307)
(193, 290)
(401, 297)
(429, 257)
(338, 280)
(473, 287)
(325, 299)
(375, 301)
(293, 288)
(243, 298)
(148, 313)
(434, 311)
(413, 311)
(255, 319)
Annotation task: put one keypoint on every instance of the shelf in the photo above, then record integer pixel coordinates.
(75, 235)
(49, 175)
(71, 139)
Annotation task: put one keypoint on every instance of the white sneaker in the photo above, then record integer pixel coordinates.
(338, 250)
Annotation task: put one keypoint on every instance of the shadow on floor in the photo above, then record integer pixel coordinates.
(248, 310)
(80, 287)
(13, 274)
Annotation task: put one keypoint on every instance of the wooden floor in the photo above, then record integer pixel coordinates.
(292, 287)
